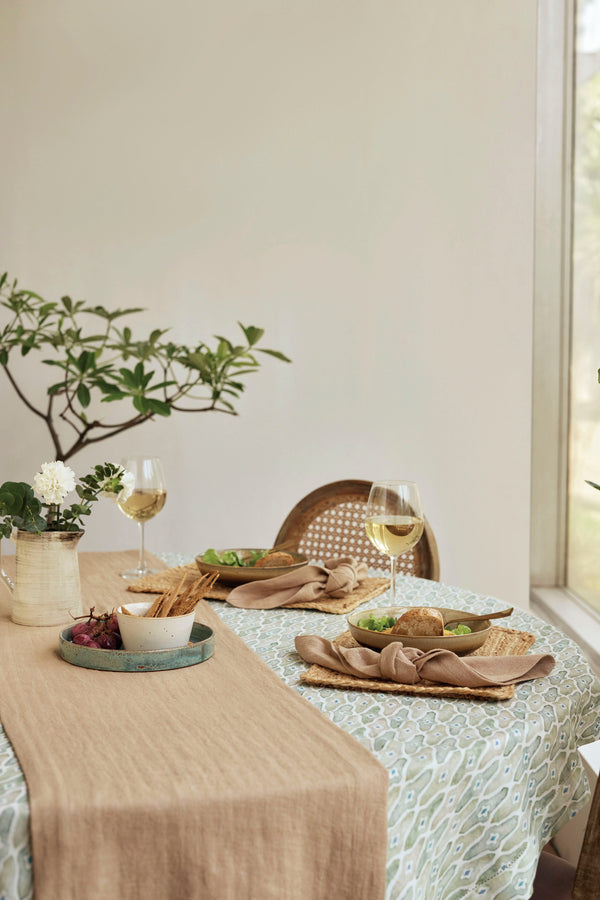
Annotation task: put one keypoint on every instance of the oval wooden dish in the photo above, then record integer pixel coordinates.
(200, 647)
(244, 574)
(458, 643)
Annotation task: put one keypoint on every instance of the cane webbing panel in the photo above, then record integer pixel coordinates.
(329, 522)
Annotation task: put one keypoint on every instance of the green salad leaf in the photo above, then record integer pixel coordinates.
(374, 623)
(232, 558)
(212, 558)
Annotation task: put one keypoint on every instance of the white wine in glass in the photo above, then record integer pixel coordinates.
(145, 501)
(394, 520)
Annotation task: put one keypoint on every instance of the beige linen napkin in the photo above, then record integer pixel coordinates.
(336, 578)
(407, 665)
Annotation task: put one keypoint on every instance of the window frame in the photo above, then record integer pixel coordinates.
(549, 594)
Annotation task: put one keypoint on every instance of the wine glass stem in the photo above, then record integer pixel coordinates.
(142, 560)
(393, 568)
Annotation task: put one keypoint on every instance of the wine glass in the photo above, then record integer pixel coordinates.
(394, 520)
(146, 501)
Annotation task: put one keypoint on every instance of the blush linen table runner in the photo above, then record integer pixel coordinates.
(215, 780)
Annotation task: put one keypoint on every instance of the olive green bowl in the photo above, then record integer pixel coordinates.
(244, 574)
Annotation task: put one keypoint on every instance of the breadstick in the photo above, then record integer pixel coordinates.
(153, 611)
(169, 599)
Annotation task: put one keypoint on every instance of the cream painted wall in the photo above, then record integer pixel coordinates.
(356, 176)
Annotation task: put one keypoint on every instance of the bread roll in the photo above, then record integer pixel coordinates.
(271, 560)
(420, 620)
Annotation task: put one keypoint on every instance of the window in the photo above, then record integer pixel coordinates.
(583, 514)
(565, 536)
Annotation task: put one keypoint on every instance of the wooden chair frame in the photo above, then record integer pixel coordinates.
(587, 875)
(557, 879)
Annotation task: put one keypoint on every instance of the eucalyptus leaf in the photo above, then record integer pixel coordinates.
(277, 354)
(83, 395)
(141, 404)
(253, 334)
(158, 406)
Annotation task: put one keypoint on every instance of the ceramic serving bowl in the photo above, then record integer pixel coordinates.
(458, 643)
(244, 574)
(155, 633)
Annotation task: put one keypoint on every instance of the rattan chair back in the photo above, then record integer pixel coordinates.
(329, 522)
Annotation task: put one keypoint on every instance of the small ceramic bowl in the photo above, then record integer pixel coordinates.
(163, 633)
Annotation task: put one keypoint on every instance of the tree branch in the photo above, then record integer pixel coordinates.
(22, 396)
(212, 408)
(84, 441)
(52, 429)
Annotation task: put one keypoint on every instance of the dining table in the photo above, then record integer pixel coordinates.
(476, 787)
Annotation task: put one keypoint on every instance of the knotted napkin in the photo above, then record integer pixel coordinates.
(407, 665)
(336, 578)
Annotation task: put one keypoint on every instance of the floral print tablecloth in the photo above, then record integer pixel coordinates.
(476, 787)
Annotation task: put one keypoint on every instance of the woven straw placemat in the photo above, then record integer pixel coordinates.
(367, 590)
(168, 578)
(499, 642)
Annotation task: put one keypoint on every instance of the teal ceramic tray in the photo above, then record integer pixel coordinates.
(200, 648)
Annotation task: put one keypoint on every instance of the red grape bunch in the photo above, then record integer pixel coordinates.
(100, 632)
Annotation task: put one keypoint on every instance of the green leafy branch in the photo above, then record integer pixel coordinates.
(155, 376)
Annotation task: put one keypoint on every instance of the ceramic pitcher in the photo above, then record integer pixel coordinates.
(46, 589)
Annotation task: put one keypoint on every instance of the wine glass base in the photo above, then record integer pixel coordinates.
(132, 574)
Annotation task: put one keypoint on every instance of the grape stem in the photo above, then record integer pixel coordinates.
(100, 618)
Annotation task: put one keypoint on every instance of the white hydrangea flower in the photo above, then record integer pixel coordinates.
(54, 482)
(128, 481)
